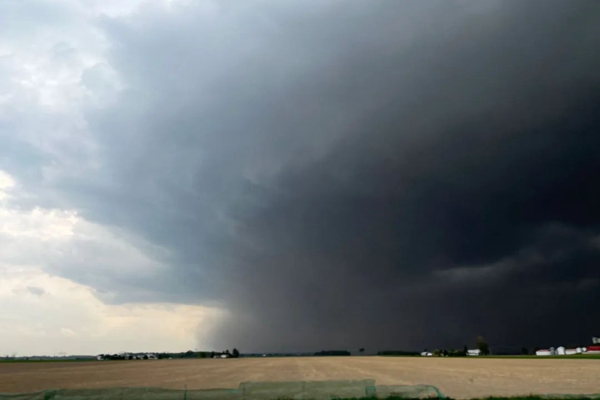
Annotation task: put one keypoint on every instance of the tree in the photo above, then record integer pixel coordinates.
(361, 350)
(236, 353)
(465, 350)
(483, 346)
(524, 351)
(332, 353)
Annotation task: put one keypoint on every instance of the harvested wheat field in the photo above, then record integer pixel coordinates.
(458, 378)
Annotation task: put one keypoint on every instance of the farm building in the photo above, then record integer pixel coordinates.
(475, 352)
(562, 351)
(426, 354)
(593, 350)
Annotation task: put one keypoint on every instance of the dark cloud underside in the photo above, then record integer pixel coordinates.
(363, 174)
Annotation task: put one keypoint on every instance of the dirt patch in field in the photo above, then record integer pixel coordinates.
(458, 378)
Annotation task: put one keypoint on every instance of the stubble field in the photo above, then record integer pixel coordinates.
(457, 378)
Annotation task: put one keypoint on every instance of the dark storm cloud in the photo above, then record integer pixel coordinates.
(362, 174)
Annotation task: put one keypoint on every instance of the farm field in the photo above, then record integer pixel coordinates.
(455, 377)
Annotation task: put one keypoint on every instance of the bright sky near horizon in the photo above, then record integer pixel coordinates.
(53, 68)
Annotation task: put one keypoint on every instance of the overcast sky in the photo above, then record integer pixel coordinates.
(298, 175)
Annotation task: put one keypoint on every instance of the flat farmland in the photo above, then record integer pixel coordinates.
(455, 377)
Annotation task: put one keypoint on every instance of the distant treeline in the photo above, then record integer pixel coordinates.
(333, 353)
(187, 354)
(234, 354)
(278, 354)
(398, 353)
(437, 353)
(48, 358)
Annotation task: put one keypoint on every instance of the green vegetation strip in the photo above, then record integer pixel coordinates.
(552, 397)
(573, 357)
(47, 361)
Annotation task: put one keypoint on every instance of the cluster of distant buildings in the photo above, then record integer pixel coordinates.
(558, 351)
(562, 351)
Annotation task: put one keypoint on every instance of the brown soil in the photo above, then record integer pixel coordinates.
(458, 378)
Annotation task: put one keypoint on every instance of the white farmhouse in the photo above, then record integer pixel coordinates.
(475, 352)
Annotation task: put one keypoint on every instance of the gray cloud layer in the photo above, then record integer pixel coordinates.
(360, 174)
